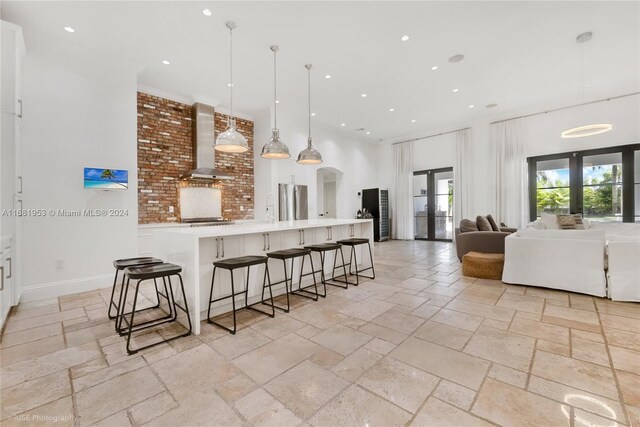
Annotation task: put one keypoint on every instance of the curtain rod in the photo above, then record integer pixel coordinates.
(430, 136)
(567, 107)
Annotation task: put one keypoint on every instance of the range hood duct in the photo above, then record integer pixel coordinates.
(204, 139)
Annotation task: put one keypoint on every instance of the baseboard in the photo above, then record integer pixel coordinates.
(65, 287)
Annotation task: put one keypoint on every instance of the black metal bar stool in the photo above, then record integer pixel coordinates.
(353, 242)
(322, 249)
(120, 265)
(292, 254)
(234, 263)
(149, 272)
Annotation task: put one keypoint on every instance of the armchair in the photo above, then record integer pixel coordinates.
(481, 241)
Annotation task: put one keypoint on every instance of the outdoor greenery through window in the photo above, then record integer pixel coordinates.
(553, 189)
(602, 187)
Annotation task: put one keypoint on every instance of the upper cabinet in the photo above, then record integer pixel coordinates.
(12, 51)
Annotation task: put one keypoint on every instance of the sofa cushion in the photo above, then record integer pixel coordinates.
(562, 234)
(550, 221)
(492, 221)
(483, 224)
(467, 225)
(567, 222)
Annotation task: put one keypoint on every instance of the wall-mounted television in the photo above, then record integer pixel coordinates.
(106, 179)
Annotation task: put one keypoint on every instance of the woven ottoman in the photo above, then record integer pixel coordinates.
(483, 266)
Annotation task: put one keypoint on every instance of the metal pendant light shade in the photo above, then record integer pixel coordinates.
(309, 156)
(231, 141)
(275, 148)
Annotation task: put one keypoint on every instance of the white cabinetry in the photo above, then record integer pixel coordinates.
(11, 50)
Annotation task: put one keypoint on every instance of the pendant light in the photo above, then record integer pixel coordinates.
(309, 156)
(275, 148)
(585, 82)
(231, 141)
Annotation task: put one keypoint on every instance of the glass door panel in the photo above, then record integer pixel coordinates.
(636, 184)
(420, 204)
(443, 183)
(552, 186)
(433, 204)
(602, 187)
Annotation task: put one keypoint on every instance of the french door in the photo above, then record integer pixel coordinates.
(433, 204)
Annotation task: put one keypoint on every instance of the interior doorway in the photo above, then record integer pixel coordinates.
(328, 182)
(433, 204)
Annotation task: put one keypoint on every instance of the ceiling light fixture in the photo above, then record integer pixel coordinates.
(456, 58)
(206, 12)
(368, 132)
(364, 95)
(313, 114)
(165, 62)
(405, 38)
(587, 130)
(454, 90)
(277, 101)
(435, 67)
(392, 109)
(69, 30)
(309, 156)
(471, 106)
(328, 76)
(343, 124)
(491, 105)
(413, 121)
(275, 148)
(231, 141)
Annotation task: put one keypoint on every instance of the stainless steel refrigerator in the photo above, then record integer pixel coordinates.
(293, 202)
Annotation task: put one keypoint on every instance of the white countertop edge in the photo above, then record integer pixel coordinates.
(248, 228)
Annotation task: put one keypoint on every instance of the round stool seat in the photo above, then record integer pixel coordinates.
(289, 253)
(242, 261)
(121, 264)
(353, 241)
(152, 271)
(322, 247)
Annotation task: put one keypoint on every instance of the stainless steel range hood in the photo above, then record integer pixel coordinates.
(204, 140)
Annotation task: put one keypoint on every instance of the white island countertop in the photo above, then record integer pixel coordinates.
(261, 227)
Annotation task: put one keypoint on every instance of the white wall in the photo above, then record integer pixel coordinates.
(356, 158)
(70, 122)
(542, 137)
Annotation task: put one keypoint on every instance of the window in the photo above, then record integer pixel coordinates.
(602, 184)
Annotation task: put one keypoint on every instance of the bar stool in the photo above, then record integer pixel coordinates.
(322, 249)
(292, 254)
(353, 242)
(120, 265)
(234, 263)
(148, 272)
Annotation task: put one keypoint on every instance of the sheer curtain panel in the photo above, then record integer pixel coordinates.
(402, 219)
(461, 177)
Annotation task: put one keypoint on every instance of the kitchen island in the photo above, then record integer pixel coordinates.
(196, 249)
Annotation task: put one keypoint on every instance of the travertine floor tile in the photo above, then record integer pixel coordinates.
(152, 408)
(399, 383)
(629, 384)
(367, 309)
(438, 413)
(108, 373)
(507, 405)
(483, 310)
(619, 322)
(587, 419)
(527, 303)
(454, 394)
(203, 407)
(357, 406)
(625, 359)
(261, 409)
(33, 394)
(341, 339)
(553, 347)
(326, 358)
(572, 314)
(32, 349)
(33, 322)
(354, 365)
(545, 331)
(23, 337)
(121, 419)
(232, 346)
(26, 313)
(277, 327)
(575, 373)
(441, 361)
(400, 322)
(305, 388)
(505, 348)
(383, 333)
(274, 358)
(442, 334)
(426, 310)
(508, 375)
(589, 351)
(58, 413)
(402, 298)
(591, 336)
(458, 319)
(624, 339)
(380, 346)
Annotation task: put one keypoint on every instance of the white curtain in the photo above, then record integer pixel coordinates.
(402, 207)
(508, 142)
(461, 176)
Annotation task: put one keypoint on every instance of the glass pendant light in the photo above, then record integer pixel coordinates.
(309, 156)
(231, 141)
(275, 148)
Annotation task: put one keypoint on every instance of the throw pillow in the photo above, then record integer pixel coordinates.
(467, 225)
(550, 221)
(538, 224)
(483, 224)
(492, 221)
(567, 222)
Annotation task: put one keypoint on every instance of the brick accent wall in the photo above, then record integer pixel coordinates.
(165, 153)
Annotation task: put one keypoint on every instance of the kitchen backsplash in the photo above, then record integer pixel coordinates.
(165, 153)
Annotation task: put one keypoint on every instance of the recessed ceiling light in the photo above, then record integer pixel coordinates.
(454, 90)
(206, 12)
(277, 101)
(368, 132)
(392, 109)
(435, 67)
(313, 114)
(165, 62)
(364, 95)
(69, 30)
(343, 124)
(456, 58)
(405, 38)
(413, 121)
(491, 105)
(229, 84)
(471, 106)
(328, 76)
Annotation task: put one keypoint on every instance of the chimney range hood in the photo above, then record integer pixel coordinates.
(204, 153)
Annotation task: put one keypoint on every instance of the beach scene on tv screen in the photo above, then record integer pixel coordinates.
(116, 179)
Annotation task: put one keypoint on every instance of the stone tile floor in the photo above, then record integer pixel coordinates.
(420, 345)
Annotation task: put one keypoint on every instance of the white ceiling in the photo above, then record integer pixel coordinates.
(520, 55)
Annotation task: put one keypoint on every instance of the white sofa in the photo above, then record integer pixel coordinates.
(571, 260)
